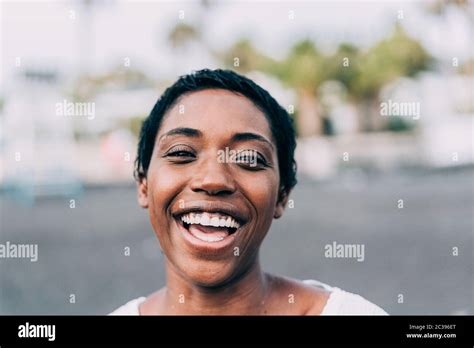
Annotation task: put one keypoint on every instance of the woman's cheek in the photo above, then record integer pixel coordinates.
(263, 195)
(163, 187)
(165, 184)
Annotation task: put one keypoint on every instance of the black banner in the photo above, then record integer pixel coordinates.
(145, 330)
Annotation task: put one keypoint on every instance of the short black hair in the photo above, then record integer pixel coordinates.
(281, 124)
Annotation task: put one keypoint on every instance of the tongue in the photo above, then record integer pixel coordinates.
(200, 231)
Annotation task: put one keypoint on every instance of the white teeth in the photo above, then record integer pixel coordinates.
(207, 219)
(215, 221)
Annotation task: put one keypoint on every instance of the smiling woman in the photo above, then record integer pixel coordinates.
(211, 215)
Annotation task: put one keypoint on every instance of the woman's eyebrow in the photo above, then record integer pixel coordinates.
(251, 136)
(192, 132)
(189, 132)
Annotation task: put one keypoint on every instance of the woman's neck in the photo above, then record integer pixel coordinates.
(245, 295)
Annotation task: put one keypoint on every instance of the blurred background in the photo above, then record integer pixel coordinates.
(382, 98)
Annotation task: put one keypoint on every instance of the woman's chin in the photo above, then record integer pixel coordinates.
(208, 273)
(207, 264)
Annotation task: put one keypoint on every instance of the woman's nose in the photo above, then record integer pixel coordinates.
(213, 177)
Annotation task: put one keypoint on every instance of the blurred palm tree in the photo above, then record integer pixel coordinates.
(344, 64)
(243, 57)
(182, 34)
(364, 74)
(397, 56)
(304, 69)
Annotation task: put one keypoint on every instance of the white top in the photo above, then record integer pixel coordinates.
(340, 302)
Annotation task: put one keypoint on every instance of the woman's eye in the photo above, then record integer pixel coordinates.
(250, 159)
(180, 154)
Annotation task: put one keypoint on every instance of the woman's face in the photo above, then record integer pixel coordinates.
(212, 185)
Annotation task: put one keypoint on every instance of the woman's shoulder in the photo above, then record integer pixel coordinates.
(130, 308)
(337, 302)
(342, 302)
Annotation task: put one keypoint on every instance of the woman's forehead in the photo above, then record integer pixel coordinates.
(216, 109)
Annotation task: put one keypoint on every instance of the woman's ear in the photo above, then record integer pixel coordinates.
(142, 193)
(281, 203)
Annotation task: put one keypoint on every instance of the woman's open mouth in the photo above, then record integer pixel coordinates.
(209, 227)
(209, 232)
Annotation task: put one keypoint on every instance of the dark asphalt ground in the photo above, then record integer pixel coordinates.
(407, 251)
